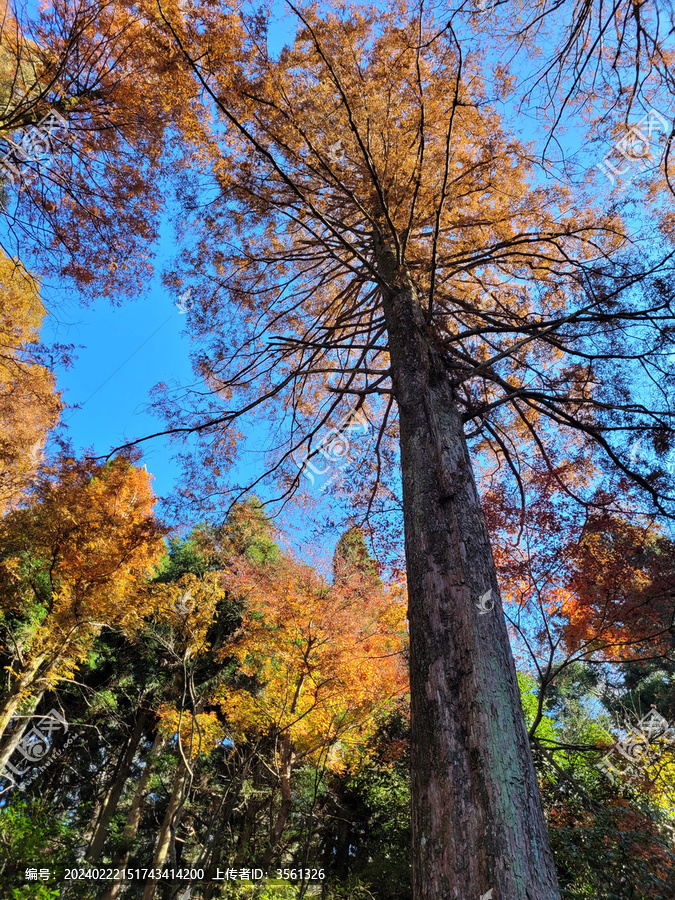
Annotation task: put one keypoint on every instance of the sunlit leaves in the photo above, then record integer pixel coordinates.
(29, 404)
(82, 548)
(320, 658)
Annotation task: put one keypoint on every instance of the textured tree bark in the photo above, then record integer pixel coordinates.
(477, 819)
(116, 788)
(135, 815)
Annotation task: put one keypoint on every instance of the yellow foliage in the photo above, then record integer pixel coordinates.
(29, 405)
(188, 606)
(80, 556)
(198, 734)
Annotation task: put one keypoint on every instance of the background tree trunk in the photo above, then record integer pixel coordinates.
(164, 836)
(12, 701)
(135, 815)
(210, 856)
(285, 767)
(12, 739)
(478, 822)
(116, 788)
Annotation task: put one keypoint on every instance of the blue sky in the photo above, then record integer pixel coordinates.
(120, 354)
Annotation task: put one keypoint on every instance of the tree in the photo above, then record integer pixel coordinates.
(320, 661)
(84, 202)
(353, 562)
(621, 589)
(617, 54)
(366, 813)
(377, 234)
(606, 844)
(73, 561)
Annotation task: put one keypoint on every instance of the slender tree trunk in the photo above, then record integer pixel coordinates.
(135, 815)
(210, 856)
(12, 701)
(90, 828)
(11, 741)
(164, 836)
(285, 760)
(477, 819)
(248, 826)
(116, 788)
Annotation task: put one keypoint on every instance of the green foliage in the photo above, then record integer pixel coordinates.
(368, 831)
(183, 557)
(31, 835)
(353, 821)
(606, 846)
(613, 853)
(352, 555)
(37, 891)
(530, 703)
(249, 531)
(259, 892)
(352, 889)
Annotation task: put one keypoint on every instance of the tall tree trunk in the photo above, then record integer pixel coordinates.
(135, 815)
(477, 823)
(116, 788)
(169, 824)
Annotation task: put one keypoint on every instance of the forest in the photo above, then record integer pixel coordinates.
(368, 591)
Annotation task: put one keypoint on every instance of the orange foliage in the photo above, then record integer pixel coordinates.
(603, 584)
(623, 582)
(76, 560)
(29, 405)
(112, 72)
(322, 659)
